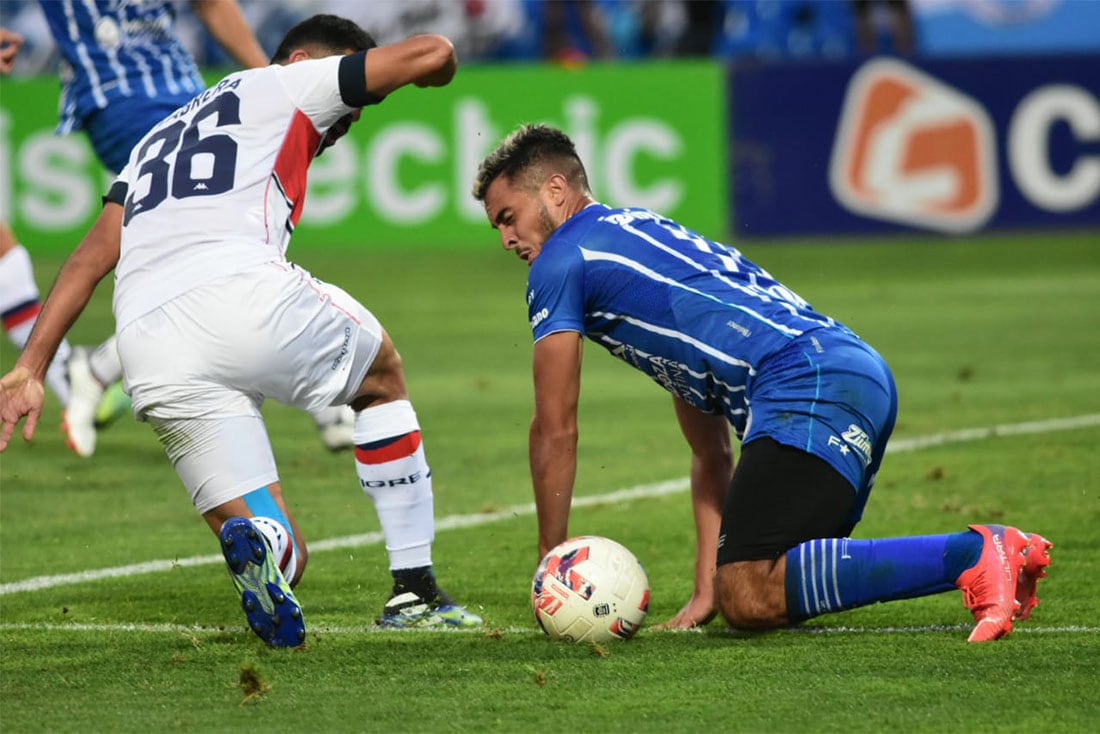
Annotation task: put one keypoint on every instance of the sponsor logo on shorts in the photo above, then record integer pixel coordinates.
(914, 150)
(853, 438)
(343, 349)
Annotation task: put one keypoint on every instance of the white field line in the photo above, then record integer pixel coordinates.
(195, 630)
(976, 434)
(452, 522)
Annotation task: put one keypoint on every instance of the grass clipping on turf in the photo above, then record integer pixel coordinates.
(252, 685)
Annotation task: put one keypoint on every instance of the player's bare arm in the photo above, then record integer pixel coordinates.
(426, 61)
(708, 437)
(553, 438)
(21, 392)
(226, 23)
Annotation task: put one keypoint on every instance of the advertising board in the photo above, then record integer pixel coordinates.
(651, 134)
(949, 146)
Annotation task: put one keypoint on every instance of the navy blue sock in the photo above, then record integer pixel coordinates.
(833, 574)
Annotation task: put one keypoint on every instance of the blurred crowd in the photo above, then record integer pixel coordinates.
(565, 31)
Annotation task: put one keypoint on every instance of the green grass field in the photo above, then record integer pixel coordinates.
(981, 334)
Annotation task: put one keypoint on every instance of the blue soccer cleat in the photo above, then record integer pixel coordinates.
(407, 609)
(273, 612)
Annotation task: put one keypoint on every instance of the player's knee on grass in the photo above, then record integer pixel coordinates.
(751, 595)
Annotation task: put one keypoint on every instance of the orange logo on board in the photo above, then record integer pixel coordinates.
(914, 150)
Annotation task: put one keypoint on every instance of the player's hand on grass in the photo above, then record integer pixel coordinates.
(20, 395)
(696, 613)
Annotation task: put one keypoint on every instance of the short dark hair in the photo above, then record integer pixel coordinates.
(323, 32)
(528, 150)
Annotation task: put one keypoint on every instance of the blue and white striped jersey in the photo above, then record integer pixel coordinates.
(117, 48)
(691, 313)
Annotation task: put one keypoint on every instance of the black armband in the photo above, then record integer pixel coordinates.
(117, 193)
(353, 81)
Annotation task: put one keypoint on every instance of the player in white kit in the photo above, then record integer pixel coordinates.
(212, 319)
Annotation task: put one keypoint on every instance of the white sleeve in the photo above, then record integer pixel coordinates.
(314, 88)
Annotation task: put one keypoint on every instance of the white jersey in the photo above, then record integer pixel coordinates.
(218, 186)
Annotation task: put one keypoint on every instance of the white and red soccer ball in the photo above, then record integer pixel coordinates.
(590, 588)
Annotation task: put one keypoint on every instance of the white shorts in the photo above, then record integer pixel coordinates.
(205, 360)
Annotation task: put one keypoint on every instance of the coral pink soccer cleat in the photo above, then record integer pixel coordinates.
(989, 587)
(1037, 558)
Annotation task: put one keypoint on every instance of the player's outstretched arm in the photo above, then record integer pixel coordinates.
(226, 23)
(21, 392)
(426, 61)
(553, 438)
(711, 469)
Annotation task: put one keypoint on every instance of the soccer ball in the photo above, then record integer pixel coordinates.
(590, 588)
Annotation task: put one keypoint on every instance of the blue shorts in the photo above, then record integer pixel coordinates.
(115, 131)
(831, 395)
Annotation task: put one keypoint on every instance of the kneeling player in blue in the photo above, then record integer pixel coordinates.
(812, 403)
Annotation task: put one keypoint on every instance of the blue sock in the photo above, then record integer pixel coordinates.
(263, 504)
(832, 574)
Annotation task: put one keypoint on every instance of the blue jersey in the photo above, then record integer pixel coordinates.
(115, 49)
(691, 313)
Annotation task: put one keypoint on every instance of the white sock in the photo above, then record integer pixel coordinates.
(328, 415)
(104, 362)
(19, 307)
(56, 377)
(281, 543)
(17, 285)
(389, 459)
